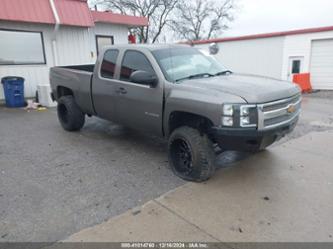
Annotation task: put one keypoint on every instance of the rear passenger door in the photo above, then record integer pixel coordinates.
(139, 106)
(103, 85)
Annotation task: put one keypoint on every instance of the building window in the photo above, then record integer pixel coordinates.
(134, 61)
(21, 48)
(296, 67)
(109, 63)
(102, 41)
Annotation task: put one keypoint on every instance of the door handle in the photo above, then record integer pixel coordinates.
(121, 90)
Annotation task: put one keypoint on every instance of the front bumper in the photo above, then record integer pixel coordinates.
(250, 139)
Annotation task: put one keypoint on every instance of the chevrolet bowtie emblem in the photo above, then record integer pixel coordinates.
(291, 109)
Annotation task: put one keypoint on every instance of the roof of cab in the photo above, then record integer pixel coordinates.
(151, 47)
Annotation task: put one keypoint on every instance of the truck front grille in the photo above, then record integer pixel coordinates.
(278, 113)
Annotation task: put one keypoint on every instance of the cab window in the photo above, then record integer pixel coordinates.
(109, 64)
(134, 61)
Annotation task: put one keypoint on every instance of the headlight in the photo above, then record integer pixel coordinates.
(244, 110)
(238, 115)
(248, 116)
(228, 121)
(245, 121)
(228, 110)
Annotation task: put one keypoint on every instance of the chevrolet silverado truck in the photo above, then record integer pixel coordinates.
(178, 93)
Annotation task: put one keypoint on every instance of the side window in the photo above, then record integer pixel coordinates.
(109, 63)
(134, 61)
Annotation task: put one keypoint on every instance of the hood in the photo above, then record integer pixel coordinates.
(253, 89)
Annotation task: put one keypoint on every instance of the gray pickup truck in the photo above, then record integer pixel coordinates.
(177, 92)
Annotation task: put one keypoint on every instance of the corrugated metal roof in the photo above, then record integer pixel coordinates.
(74, 12)
(109, 17)
(71, 12)
(268, 35)
(36, 11)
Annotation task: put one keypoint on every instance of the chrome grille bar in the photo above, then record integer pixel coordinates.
(278, 113)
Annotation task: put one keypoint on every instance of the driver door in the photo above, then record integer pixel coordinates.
(138, 106)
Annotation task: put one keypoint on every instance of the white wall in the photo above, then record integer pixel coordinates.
(259, 56)
(300, 46)
(119, 32)
(78, 45)
(75, 45)
(269, 56)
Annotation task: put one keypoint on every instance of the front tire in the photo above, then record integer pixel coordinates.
(70, 115)
(191, 154)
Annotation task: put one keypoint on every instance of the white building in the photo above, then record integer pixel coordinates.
(280, 55)
(38, 34)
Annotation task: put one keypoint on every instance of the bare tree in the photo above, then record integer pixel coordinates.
(202, 19)
(157, 12)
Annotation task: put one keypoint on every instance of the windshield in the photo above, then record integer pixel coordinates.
(187, 63)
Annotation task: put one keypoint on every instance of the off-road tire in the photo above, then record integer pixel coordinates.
(202, 151)
(70, 115)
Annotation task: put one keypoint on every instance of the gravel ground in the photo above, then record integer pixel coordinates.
(54, 183)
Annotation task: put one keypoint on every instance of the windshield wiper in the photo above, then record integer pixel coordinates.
(194, 76)
(223, 73)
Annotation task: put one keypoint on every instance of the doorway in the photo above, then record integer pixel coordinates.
(295, 66)
(102, 41)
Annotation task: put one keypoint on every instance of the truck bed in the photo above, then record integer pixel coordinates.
(87, 68)
(76, 78)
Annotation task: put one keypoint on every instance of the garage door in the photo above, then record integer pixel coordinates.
(322, 64)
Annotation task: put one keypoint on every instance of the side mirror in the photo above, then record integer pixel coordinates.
(144, 78)
(214, 48)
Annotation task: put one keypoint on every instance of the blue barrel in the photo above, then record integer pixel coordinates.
(14, 91)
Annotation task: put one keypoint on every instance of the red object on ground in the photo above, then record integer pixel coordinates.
(303, 80)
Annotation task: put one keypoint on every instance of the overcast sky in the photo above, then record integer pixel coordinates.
(261, 16)
(264, 16)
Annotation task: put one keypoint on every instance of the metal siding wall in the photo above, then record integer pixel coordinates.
(119, 32)
(258, 56)
(75, 45)
(300, 45)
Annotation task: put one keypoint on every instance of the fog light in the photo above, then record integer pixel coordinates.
(227, 121)
(228, 110)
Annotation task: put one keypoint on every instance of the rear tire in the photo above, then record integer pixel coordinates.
(191, 154)
(70, 115)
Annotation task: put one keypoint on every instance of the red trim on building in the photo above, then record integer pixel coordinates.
(109, 17)
(268, 35)
(74, 13)
(37, 11)
(71, 12)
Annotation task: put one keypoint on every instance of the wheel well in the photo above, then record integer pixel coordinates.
(64, 91)
(178, 119)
